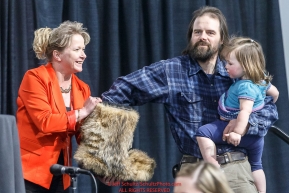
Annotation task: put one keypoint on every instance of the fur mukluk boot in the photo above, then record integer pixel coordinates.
(106, 141)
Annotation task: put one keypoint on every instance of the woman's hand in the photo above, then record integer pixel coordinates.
(88, 107)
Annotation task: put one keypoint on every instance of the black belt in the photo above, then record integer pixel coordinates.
(230, 157)
(189, 159)
(222, 159)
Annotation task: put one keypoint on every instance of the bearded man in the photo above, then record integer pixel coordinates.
(189, 86)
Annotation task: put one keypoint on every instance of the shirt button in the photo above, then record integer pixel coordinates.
(215, 101)
(212, 85)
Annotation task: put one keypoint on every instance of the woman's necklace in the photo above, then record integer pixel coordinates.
(65, 90)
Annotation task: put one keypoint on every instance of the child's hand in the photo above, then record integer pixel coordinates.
(233, 138)
(230, 128)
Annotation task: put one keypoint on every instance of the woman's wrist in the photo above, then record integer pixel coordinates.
(78, 115)
(81, 114)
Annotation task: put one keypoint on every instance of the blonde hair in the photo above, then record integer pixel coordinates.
(206, 177)
(47, 40)
(250, 55)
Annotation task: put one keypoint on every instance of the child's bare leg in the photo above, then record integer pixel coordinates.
(260, 180)
(208, 150)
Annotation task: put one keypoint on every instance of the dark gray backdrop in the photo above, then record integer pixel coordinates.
(129, 34)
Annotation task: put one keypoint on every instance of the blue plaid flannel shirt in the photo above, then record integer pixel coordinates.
(190, 98)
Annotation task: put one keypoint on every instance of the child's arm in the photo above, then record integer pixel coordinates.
(246, 107)
(273, 91)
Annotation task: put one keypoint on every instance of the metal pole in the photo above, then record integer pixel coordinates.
(73, 184)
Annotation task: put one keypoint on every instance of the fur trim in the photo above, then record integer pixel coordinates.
(106, 141)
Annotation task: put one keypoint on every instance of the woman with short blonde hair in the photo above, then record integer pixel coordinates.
(202, 177)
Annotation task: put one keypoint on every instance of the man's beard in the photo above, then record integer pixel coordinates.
(201, 53)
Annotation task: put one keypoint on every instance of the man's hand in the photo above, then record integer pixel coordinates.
(230, 128)
(233, 138)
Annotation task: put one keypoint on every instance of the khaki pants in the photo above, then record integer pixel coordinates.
(239, 176)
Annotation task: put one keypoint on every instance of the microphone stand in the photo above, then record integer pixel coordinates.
(73, 180)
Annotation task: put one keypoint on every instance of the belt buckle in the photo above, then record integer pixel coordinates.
(227, 160)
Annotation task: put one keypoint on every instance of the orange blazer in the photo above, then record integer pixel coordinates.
(44, 126)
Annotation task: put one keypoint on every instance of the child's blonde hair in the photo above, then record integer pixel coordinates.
(250, 55)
